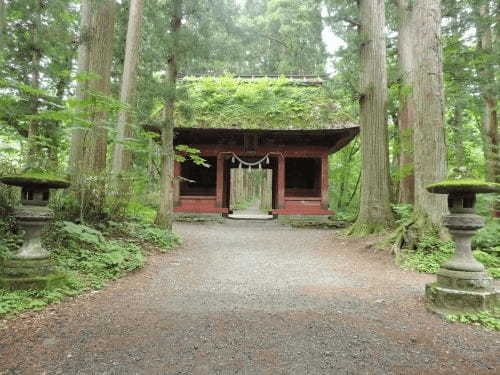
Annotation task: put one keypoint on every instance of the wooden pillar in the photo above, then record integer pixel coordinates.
(177, 183)
(324, 182)
(219, 201)
(281, 182)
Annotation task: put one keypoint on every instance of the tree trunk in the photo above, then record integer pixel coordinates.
(375, 212)
(428, 135)
(78, 135)
(122, 158)
(487, 74)
(406, 118)
(458, 134)
(34, 158)
(165, 214)
(3, 24)
(99, 64)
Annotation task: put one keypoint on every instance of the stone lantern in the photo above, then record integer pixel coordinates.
(30, 267)
(462, 284)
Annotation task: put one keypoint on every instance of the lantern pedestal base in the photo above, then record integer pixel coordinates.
(53, 280)
(444, 300)
(17, 274)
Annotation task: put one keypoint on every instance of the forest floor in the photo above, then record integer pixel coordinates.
(251, 298)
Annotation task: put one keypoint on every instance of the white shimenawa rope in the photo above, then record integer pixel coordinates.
(248, 164)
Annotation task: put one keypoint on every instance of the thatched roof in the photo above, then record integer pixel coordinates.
(258, 103)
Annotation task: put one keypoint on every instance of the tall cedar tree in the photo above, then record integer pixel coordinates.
(406, 116)
(375, 212)
(164, 217)
(89, 147)
(428, 96)
(122, 157)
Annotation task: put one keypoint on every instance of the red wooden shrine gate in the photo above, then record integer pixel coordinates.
(298, 159)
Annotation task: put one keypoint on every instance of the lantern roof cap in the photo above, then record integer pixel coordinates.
(464, 185)
(35, 178)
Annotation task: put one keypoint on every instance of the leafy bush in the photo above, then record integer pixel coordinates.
(151, 234)
(484, 319)
(402, 212)
(431, 252)
(84, 250)
(86, 256)
(488, 239)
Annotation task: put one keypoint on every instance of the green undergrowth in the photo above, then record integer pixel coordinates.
(142, 233)
(432, 251)
(90, 257)
(486, 319)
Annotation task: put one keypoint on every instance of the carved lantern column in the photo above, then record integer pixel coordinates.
(462, 284)
(31, 267)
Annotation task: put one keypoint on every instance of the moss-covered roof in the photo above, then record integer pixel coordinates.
(264, 103)
(463, 186)
(38, 178)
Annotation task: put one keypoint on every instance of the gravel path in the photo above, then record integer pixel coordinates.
(252, 298)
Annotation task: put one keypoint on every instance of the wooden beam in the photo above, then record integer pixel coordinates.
(177, 183)
(324, 182)
(219, 202)
(281, 182)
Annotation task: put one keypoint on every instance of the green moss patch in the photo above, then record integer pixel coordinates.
(463, 186)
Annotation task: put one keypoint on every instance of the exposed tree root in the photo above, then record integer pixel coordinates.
(363, 228)
(410, 232)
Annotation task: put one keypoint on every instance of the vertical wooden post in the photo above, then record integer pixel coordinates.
(177, 183)
(324, 182)
(220, 181)
(281, 182)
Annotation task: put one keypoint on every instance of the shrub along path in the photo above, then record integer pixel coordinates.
(251, 298)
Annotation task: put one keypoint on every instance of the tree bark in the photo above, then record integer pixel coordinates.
(375, 212)
(406, 118)
(165, 213)
(487, 85)
(428, 95)
(3, 24)
(78, 135)
(34, 159)
(122, 158)
(99, 63)
(458, 134)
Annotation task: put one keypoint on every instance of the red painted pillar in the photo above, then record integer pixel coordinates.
(177, 174)
(324, 182)
(220, 181)
(281, 182)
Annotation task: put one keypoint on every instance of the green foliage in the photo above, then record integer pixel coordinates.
(485, 319)
(402, 212)
(9, 241)
(431, 252)
(146, 233)
(186, 152)
(487, 239)
(141, 212)
(84, 250)
(85, 255)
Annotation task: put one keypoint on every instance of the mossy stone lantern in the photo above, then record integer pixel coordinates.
(462, 284)
(30, 267)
